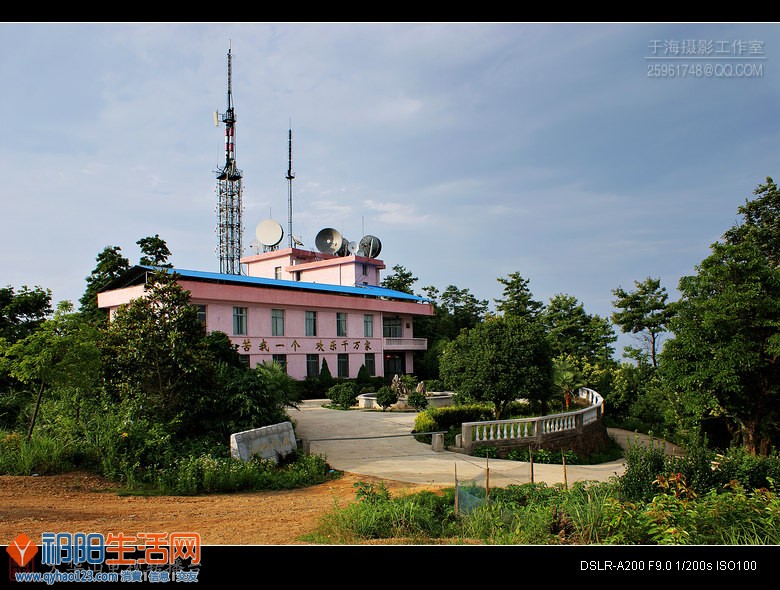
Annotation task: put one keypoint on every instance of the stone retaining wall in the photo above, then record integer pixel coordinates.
(270, 442)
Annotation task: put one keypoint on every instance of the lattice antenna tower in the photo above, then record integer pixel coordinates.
(290, 176)
(229, 189)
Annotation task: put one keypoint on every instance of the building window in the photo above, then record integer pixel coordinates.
(394, 365)
(391, 327)
(277, 272)
(368, 325)
(312, 365)
(311, 323)
(343, 366)
(281, 360)
(202, 316)
(341, 324)
(244, 359)
(239, 321)
(370, 363)
(277, 322)
(297, 275)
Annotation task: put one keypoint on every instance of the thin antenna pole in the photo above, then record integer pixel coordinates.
(290, 177)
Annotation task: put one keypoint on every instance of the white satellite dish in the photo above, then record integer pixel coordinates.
(352, 247)
(269, 232)
(216, 119)
(370, 246)
(328, 241)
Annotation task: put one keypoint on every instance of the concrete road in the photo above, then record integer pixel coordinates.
(376, 443)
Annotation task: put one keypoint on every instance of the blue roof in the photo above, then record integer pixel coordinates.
(359, 290)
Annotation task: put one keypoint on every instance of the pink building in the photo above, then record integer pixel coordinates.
(299, 308)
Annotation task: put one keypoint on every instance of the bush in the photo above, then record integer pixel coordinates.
(344, 395)
(386, 397)
(417, 399)
(423, 422)
(209, 474)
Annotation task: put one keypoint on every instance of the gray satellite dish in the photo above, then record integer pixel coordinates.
(269, 232)
(370, 246)
(344, 248)
(352, 247)
(328, 241)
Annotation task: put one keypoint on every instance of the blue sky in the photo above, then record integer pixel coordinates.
(472, 150)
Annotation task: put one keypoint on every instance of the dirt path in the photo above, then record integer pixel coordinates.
(82, 502)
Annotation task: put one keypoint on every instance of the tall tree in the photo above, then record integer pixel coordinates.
(155, 350)
(401, 280)
(22, 312)
(501, 360)
(724, 359)
(518, 299)
(574, 332)
(761, 221)
(110, 265)
(645, 313)
(463, 308)
(155, 252)
(62, 352)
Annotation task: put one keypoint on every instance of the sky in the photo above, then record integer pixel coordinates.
(583, 156)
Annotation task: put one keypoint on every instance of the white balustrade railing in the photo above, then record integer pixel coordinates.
(534, 428)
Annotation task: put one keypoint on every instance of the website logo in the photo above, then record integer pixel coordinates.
(22, 550)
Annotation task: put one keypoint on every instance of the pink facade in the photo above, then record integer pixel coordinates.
(331, 316)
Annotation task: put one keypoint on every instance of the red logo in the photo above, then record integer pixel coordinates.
(22, 550)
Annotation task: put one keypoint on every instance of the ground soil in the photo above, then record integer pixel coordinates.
(83, 502)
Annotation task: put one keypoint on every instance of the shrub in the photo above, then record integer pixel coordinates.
(643, 466)
(417, 399)
(209, 474)
(386, 397)
(424, 422)
(344, 395)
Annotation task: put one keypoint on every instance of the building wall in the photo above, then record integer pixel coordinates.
(301, 265)
(260, 345)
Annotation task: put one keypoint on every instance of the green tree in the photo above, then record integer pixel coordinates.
(464, 309)
(155, 252)
(501, 360)
(155, 352)
(574, 332)
(567, 378)
(110, 265)
(401, 280)
(518, 299)
(22, 312)
(724, 358)
(62, 352)
(761, 223)
(645, 313)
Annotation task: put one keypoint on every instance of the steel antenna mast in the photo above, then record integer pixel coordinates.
(290, 177)
(229, 189)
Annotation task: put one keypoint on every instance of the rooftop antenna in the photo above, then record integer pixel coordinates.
(229, 188)
(290, 177)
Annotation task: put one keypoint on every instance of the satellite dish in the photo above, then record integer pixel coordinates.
(370, 246)
(328, 241)
(256, 246)
(352, 247)
(216, 119)
(269, 232)
(344, 249)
